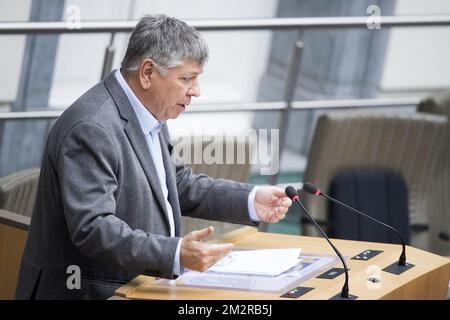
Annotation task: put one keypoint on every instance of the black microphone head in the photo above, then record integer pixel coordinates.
(291, 192)
(311, 188)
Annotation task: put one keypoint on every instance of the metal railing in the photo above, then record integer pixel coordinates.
(228, 24)
(343, 104)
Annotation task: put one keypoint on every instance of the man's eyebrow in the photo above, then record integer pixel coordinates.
(194, 73)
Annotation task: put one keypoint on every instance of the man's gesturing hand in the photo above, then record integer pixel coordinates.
(199, 256)
(271, 204)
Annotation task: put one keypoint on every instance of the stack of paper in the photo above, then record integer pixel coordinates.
(270, 262)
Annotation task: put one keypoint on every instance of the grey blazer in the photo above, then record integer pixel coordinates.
(100, 207)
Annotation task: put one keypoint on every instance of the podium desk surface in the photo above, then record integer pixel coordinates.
(428, 279)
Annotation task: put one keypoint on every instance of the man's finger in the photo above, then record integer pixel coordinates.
(284, 202)
(283, 210)
(211, 254)
(278, 192)
(280, 216)
(219, 249)
(217, 253)
(287, 202)
(201, 234)
(273, 218)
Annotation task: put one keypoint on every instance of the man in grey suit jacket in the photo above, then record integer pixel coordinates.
(110, 195)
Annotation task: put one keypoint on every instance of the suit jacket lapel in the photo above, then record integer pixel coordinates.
(137, 138)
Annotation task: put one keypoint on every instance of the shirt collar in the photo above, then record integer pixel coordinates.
(149, 124)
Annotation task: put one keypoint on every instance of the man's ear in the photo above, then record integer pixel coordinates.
(145, 73)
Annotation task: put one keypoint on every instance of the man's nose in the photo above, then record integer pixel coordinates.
(194, 91)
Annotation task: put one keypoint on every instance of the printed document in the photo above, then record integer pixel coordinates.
(268, 262)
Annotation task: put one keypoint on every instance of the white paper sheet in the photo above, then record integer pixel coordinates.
(269, 262)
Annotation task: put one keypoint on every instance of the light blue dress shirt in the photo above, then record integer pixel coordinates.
(151, 127)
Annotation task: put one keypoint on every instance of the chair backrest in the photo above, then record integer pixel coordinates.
(440, 215)
(380, 194)
(18, 191)
(407, 144)
(239, 170)
(212, 158)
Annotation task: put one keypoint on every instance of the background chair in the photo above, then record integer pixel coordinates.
(440, 215)
(406, 144)
(18, 191)
(236, 171)
(381, 194)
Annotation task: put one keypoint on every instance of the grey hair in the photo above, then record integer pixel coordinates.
(167, 41)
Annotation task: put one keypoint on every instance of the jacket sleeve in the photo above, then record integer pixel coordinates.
(87, 166)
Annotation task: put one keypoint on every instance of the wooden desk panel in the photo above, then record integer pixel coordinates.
(428, 279)
(12, 243)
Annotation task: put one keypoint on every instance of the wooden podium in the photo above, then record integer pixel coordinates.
(428, 279)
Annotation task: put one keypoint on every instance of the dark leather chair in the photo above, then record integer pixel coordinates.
(380, 194)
